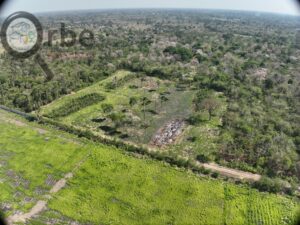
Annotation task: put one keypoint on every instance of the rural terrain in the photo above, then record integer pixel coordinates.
(75, 181)
(172, 117)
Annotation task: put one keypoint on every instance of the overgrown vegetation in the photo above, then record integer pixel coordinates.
(76, 104)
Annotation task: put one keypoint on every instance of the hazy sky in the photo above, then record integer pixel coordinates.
(278, 6)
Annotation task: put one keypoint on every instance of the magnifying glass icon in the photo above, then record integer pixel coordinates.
(22, 37)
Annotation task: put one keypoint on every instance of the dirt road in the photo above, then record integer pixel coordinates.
(22, 218)
(40, 205)
(233, 173)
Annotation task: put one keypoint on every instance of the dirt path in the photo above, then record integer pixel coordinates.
(21, 218)
(40, 205)
(237, 174)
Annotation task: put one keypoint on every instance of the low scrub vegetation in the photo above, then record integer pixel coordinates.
(76, 104)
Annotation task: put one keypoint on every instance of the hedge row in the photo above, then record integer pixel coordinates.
(130, 147)
(76, 104)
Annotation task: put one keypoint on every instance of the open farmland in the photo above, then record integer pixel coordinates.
(102, 177)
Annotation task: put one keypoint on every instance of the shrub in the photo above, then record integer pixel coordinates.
(269, 83)
(197, 118)
(184, 53)
(215, 175)
(206, 171)
(107, 108)
(192, 139)
(132, 101)
(270, 185)
(133, 86)
(202, 158)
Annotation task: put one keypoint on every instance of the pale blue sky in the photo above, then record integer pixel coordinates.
(277, 6)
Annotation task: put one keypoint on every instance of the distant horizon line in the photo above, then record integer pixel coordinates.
(164, 8)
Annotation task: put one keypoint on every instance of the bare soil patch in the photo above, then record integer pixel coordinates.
(237, 174)
(40, 205)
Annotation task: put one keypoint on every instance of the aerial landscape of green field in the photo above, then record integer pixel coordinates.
(174, 114)
(102, 176)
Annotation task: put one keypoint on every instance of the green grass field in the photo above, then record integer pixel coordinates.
(28, 159)
(116, 189)
(141, 121)
(111, 187)
(139, 126)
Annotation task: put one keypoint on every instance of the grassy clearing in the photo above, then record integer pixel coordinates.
(143, 115)
(201, 138)
(144, 105)
(29, 161)
(114, 188)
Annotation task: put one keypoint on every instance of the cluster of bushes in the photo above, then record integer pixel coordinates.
(184, 53)
(107, 108)
(274, 185)
(115, 83)
(76, 104)
(203, 158)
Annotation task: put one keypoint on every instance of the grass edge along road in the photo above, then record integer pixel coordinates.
(158, 194)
